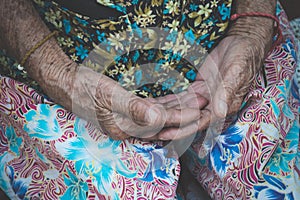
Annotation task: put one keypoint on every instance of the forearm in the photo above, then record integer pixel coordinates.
(76, 88)
(21, 28)
(264, 6)
(257, 28)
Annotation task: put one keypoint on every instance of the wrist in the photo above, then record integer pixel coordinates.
(264, 6)
(54, 71)
(21, 27)
(257, 27)
(255, 6)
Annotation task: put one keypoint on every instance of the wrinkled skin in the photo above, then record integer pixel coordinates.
(232, 64)
(90, 95)
(227, 73)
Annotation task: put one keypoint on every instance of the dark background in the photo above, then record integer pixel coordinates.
(292, 7)
(91, 8)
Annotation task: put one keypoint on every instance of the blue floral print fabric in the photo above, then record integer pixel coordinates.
(152, 49)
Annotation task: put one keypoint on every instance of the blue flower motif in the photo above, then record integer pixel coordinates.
(264, 191)
(67, 26)
(279, 162)
(82, 21)
(77, 188)
(136, 56)
(117, 59)
(211, 19)
(151, 55)
(193, 7)
(168, 83)
(97, 160)
(226, 149)
(191, 75)
(42, 122)
(137, 30)
(13, 141)
(135, 2)
(176, 57)
(190, 37)
(125, 59)
(104, 43)
(224, 11)
(100, 36)
(19, 186)
(82, 52)
(5, 180)
(138, 76)
(208, 44)
(288, 46)
(172, 36)
(159, 165)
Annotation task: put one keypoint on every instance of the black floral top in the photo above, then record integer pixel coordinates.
(153, 48)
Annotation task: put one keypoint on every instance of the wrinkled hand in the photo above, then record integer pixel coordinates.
(122, 114)
(228, 73)
(225, 77)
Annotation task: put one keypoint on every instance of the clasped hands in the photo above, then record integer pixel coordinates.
(220, 87)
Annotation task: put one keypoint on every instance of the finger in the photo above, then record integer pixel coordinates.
(121, 126)
(129, 127)
(166, 99)
(155, 116)
(148, 115)
(184, 131)
(201, 88)
(195, 101)
(174, 118)
(108, 125)
(140, 111)
(230, 93)
(110, 95)
(181, 117)
(210, 68)
(177, 133)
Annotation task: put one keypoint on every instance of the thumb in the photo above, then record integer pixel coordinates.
(221, 101)
(111, 96)
(145, 113)
(230, 92)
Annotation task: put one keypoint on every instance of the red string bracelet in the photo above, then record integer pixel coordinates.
(279, 38)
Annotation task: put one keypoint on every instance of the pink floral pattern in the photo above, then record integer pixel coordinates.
(259, 156)
(47, 152)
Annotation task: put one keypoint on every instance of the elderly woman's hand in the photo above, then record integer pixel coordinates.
(90, 95)
(228, 71)
(120, 113)
(101, 100)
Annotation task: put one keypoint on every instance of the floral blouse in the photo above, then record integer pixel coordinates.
(153, 48)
